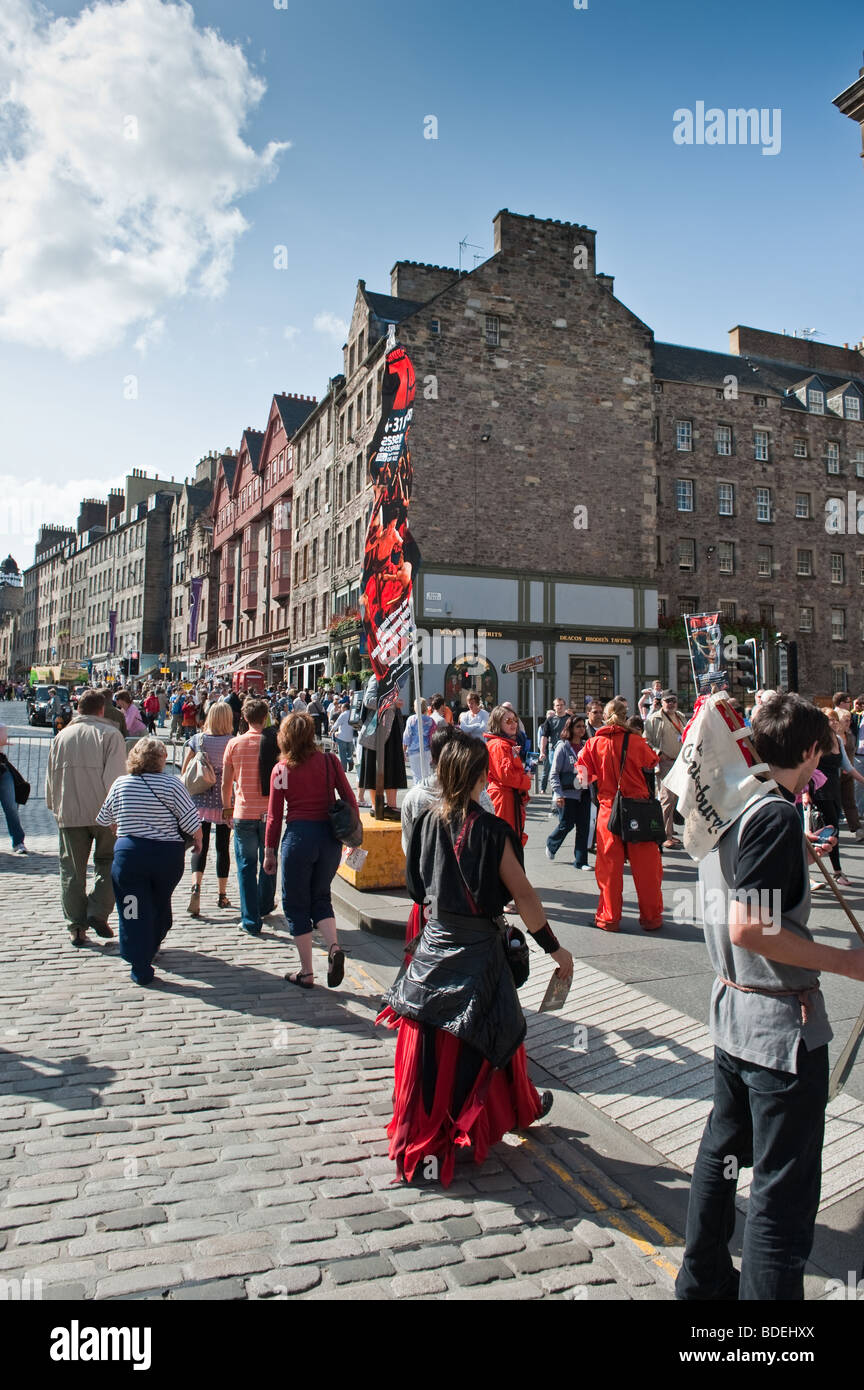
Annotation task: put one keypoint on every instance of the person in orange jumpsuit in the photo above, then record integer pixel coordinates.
(600, 761)
(509, 783)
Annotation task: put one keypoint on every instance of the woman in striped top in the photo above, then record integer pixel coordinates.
(150, 811)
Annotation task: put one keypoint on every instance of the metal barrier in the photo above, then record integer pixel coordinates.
(30, 757)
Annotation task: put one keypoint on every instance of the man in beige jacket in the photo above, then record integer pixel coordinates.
(663, 731)
(86, 759)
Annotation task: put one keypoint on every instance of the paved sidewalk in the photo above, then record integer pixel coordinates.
(222, 1137)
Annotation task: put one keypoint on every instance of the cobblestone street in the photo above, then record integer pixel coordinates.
(223, 1135)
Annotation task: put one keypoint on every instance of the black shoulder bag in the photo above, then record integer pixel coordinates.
(635, 821)
(22, 786)
(344, 820)
(515, 946)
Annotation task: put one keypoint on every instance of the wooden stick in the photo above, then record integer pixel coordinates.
(817, 859)
(845, 1062)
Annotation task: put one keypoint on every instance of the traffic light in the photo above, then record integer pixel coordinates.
(133, 663)
(747, 662)
(792, 666)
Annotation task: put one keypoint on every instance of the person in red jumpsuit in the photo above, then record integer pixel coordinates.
(509, 783)
(600, 761)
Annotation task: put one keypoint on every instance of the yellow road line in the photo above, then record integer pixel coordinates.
(613, 1217)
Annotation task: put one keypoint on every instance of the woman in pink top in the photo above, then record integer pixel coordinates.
(302, 786)
(132, 714)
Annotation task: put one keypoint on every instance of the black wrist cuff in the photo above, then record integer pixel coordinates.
(546, 938)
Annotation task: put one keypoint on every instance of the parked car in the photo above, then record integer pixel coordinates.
(38, 702)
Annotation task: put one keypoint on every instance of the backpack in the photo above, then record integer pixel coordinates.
(200, 775)
(355, 716)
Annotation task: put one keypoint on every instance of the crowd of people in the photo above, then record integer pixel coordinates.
(262, 768)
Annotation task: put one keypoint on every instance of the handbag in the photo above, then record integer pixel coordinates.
(200, 775)
(516, 950)
(21, 785)
(344, 819)
(813, 818)
(635, 821)
(188, 840)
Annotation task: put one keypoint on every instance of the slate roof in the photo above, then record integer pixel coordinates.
(389, 309)
(254, 439)
(293, 412)
(229, 468)
(761, 375)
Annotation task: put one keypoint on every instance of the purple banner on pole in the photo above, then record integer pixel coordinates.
(112, 630)
(195, 609)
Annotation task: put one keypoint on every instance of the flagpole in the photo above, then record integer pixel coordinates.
(418, 703)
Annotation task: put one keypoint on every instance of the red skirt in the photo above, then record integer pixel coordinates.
(446, 1097)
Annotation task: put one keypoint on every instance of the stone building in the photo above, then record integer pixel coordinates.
(851, 103)
(11, 609)
(193, 566)
(99, 592)
(252, 539)
(533, 391)
(756, 451)
(547, 444)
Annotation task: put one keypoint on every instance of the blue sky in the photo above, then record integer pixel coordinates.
(541, 108)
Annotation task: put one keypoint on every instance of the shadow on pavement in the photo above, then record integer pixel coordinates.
(17, 1077)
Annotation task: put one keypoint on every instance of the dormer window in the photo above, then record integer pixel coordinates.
(852, 406)
(816, 401)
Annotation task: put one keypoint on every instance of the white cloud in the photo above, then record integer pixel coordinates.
(290, 332)
(27, 504)
(153, 333)
(124, 162)
(330, 324)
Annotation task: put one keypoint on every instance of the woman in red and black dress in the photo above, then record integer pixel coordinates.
(461, 1076)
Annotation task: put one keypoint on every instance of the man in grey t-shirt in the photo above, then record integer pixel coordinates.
(770, 1032)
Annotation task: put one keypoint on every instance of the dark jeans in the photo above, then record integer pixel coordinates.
(257, 889)
(223, 853)
(576, 811)
(774, 1121)
(10, 810)
(145, 874)
(310, 858)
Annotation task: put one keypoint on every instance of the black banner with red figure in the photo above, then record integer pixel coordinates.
(391, 557)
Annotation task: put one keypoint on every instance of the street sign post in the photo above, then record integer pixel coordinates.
(529, 663)
(525, 663)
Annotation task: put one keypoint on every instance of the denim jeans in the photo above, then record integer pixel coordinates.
(859, 790)
(773, 1121)
(257, 889)
(345, 751)
(145, 874)
(310, 858)
(10, 810)
(576, 811)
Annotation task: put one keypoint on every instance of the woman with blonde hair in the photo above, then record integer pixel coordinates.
(617, 757)
(152, 811)
(303, 786)
(461, 1077)
(212, 741)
